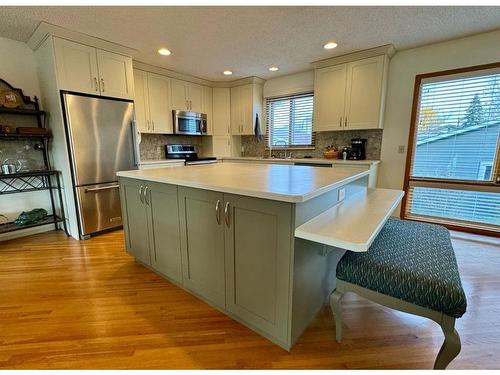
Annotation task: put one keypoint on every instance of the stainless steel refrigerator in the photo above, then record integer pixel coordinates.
(100, 134)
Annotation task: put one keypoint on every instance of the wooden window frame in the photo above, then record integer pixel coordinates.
(493, 186)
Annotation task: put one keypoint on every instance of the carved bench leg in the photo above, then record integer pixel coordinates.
(335, 298)
(451, 345)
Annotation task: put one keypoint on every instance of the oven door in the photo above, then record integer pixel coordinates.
(189, 123)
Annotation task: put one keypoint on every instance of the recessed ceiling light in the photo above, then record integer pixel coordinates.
(164, 52)
(274, 69)
(330, 45)
(227, 72)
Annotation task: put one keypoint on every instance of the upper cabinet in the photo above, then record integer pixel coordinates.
(141, 100)
(90, 70)
(246, 105)
(350, 96)
(76, 66)
(153, 103)
(115, 74)
(159, 104)
(329, 98)
(207, 107)
(221, 118)
(187, 96)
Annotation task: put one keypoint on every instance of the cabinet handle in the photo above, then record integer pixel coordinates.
(152, 124)
(102, 84)
(96, 84)
(146, 195)
(217, 211)
(340, 121)
(226, 214)
(140, 194)
(345, 123)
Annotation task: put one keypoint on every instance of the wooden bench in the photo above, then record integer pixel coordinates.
(410, 267)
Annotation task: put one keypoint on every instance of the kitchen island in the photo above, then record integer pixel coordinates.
(226, 232)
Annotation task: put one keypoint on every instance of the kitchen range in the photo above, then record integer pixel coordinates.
(187, 153)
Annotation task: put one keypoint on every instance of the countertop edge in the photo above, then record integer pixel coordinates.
(290, 198)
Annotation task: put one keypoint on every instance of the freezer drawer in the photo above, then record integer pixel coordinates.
(99, 207)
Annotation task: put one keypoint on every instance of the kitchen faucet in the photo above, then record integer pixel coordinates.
(283, 152)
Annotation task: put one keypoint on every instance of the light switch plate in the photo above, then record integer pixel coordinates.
(341, 194)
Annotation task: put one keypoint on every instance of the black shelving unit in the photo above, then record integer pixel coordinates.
(22, 182)
(23, 111)
(23, 136)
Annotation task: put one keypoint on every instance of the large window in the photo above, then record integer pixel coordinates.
(289, 121)
(454, 145)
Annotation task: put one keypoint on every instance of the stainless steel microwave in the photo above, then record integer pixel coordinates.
(189, 123)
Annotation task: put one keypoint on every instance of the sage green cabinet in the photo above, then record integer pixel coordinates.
(151, 225)
(258, 254)
(202, 243)
(136, 220)
(236, 254)
(164, 207)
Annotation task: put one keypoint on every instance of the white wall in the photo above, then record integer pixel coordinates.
(18, 68)
(289, 84)
(404, 66)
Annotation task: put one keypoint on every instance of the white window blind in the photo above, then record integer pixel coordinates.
(289, 121)
(457, 127)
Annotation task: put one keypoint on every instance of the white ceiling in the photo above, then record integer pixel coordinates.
(248, 40)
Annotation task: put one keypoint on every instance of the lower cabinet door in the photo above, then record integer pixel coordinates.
(258, 244)
(136, 219)
(202, 243)
(166, 254)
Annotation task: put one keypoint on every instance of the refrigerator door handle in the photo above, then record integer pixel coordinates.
(135, 142)
(102, 188)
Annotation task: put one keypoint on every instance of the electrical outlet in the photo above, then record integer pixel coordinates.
(341, 196)
(401, 149)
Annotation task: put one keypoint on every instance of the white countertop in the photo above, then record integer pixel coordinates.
(354, 223)
(302, 160)
(279, 182)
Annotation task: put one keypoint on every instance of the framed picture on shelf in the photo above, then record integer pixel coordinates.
(10, 99)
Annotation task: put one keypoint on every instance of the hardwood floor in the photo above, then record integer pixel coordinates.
(70, 304)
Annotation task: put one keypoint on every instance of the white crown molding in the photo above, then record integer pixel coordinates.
(387, 49)
(186, 77)
(45, 29)
(239, 82)
(170, 73)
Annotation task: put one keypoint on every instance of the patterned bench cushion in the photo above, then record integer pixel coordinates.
(411, 261)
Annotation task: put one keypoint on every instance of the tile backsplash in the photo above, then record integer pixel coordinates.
(23, 149)
(152, 146)
(251, 147)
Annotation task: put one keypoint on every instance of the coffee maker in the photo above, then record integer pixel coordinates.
(357, 151)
